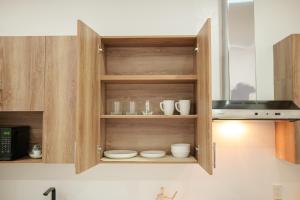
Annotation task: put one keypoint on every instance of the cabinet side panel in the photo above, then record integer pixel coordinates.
(283, 70)
(285, 141)
(296, 64)
(204, 101)
(60, 101)
(286, 87)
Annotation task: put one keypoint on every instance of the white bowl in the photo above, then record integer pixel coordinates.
(180, 155)
(181, 147)
(180, 150)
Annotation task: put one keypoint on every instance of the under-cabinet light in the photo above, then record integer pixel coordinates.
(232, 129)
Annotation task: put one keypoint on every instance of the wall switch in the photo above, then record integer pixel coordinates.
(277, 192)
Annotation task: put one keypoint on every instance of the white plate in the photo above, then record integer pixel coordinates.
(120, 154)
(153, 154)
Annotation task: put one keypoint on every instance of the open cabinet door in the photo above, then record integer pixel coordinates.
(87, 118)
(204, 101)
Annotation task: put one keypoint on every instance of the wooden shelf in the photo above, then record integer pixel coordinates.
(148, 116)
(138, 159)
(25, 159)
(149, 41)
(149, 78)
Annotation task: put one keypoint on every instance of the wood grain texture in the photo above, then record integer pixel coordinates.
(148, 116)
(283, 70)
(102, 101)
(149, 134)
(88, 98)
(287, 87)
(155, 93)
(204, 101)
(149, 41)
(296, 58)
(60, 102)
(139, 159)
(150, 60)
(285, 141)
(32, 119)
(296, 69)
(148, 78)
(22, 66)
(25, 159)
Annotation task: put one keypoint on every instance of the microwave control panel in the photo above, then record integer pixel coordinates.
(5, 140)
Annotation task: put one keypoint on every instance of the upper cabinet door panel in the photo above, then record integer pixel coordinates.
(204, 104)
(283, 70)
(88, 103)
(22, 66)
(60, 102)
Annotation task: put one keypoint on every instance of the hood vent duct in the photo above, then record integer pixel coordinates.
(238, 47)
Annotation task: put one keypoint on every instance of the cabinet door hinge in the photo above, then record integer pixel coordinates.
(196, 49)
(100, 49)
(99, 148)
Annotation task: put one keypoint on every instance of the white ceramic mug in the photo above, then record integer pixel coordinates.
(167, 107)
(183, 107)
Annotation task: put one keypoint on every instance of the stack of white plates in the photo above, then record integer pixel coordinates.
(125, 154)
(153, 154)
(120, 154)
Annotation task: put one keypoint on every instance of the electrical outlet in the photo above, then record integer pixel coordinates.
(277, 192)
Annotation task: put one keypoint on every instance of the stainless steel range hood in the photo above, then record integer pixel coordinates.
(239, 70)
(258, 110)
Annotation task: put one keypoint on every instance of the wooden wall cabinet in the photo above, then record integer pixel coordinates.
(140, 69)
(287, 87)
(22, 73)
(66, 85)
(38, 88)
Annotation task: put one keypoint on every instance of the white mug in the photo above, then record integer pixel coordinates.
(167, 107)
(183, 107)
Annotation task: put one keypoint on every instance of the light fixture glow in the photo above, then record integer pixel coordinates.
(232, 129)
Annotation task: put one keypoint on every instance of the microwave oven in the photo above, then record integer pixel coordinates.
(14, 142)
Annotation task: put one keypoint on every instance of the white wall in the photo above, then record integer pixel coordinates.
(246, 167)
(113, 17)
(275, 20)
